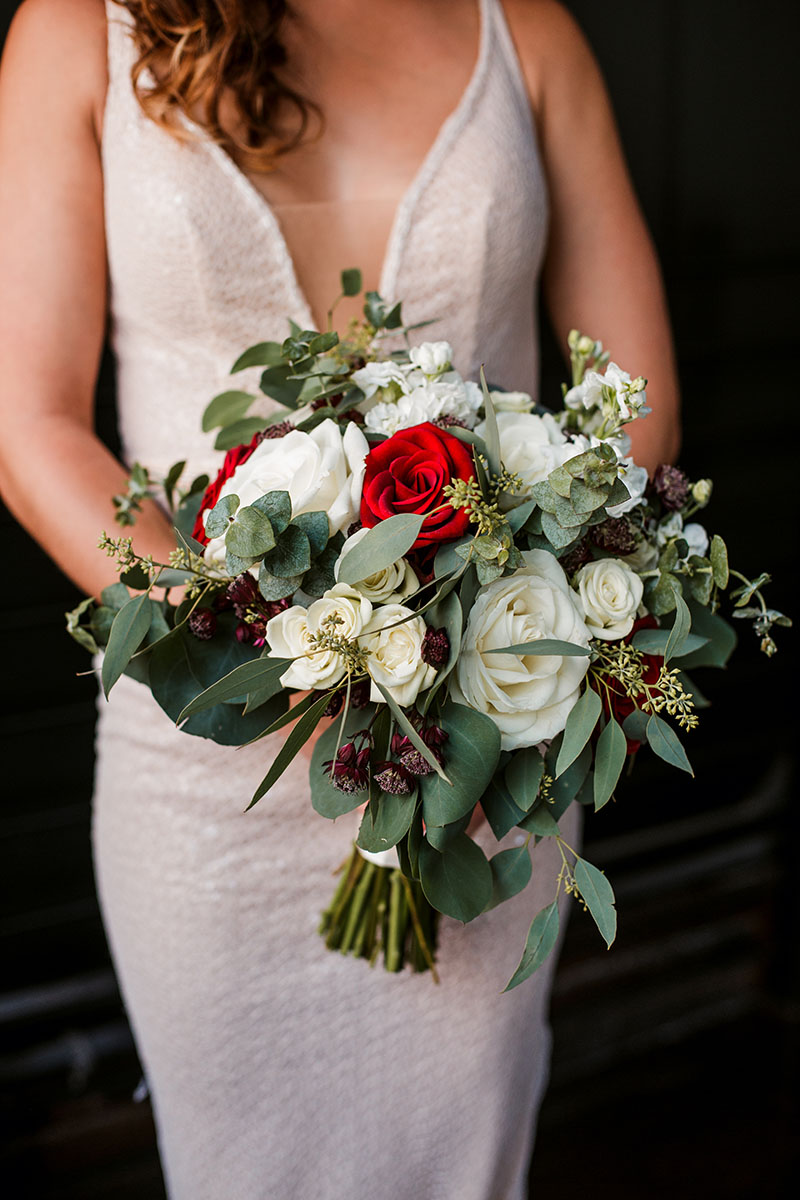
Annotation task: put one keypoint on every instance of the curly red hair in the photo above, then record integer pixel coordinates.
(209, 50)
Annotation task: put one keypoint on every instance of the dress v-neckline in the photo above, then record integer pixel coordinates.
(403, 214)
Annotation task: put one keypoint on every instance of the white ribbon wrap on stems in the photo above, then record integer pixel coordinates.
(383, 858)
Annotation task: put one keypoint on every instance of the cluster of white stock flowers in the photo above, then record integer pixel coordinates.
(323, 471)
(528, 696)
(423, 389)
(693, 533)
(614, 392)
(610, 594)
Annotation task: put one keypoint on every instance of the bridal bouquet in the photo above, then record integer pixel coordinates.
(493, 601)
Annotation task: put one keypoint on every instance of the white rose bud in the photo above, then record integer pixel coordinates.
(395, 654)
(701, 492)
(432, 358)
(394, 583)
(518, 402)
(342, 612)
(528, 696)
(610, 594)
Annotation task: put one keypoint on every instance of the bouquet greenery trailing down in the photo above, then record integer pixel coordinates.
(493, 601)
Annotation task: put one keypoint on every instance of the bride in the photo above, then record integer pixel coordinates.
(193, 172)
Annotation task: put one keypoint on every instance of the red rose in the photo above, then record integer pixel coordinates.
(406, 474)
(233, 459)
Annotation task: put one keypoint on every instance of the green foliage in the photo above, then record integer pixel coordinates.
(718, 555)
(295, 741)
(249, 534)
(664, 741)
(523, 775)
(499, 807)
(565, 788)
(386, 820)
(221, 515)
(610, 755)
(598, 896)
(720, 643)
(291, 555)
(238, 433)
(540, 821)
(540, 941)
(260, 674)
(351, 282)
(182, 667)
(445, 614)
(265, 354)
(380, 547)
(546, 646)
(511, 872)
(580, 726)
(226, 409)
(457, 880)
(127, 634)
(471, 755)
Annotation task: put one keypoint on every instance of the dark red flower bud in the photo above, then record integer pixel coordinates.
(393, 778)
(348, 771)
(671, 486)
(242, 592)
(448, 419)
(577, 557)
(435, 649)
(615, 535)
(203, 623)
(278, 430)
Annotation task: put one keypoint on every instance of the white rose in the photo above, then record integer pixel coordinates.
(394, 583)
(635, 480)
(643, 558)
(528, 696)
(395, 654)
(375, 376)
(518, 402)
(432, 358)
(670, 527)
(449, 395)
(610, 594)
(532, 446)
(292, 632)
(321, 470)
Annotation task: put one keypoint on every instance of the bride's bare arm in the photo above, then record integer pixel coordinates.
(56, 476)
(601, 274)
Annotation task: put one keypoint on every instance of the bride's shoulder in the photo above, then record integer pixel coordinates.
(552, 49)
(58, 48)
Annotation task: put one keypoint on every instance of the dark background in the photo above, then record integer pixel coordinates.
(675, 1054)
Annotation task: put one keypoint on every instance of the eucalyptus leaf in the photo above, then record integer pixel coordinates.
(598, 896)
(676, 642)
(225, 409)
(499, 808)
(721, 639)
(546, 646)
(238, 433)
(380, 547)
(277, 506)
(220, 516)
(471, 754)
(654, 641)
(609, 759)
(440, 836)
(664, 741)
(457, 881)
(565, 788)
(580, 726)
(492, 433)
(511, 872)
(265, 354)
(541, 939)
(259, 673)
(277, 587)
(718, 554)
(327, 800)
(315, 527)
(446, 614)
(295, 741)
(250, 534)
(292, 554)
(541, 822)
(386, 820)
(277, 383)
(127, 634)
(351, 282)
(523, 775)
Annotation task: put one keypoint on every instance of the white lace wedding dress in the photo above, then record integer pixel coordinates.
(279, 1069)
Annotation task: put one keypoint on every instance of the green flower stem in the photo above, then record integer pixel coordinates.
(393, 953)
(421, 948)
(357, 907)
(354, 870)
